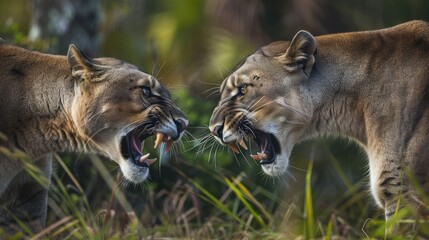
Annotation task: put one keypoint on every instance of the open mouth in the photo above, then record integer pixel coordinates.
(132, 145)
(267, 143)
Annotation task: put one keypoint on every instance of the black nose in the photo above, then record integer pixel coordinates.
(217, 131)
(180, 124)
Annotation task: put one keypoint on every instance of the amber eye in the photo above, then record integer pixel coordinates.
(243, 89)
(146, 91)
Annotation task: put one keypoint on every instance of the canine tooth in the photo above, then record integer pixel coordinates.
(263, 156)
(144, 158)
(168, 145)
(158, 140)
(259, 156)
(234, 147)
(150, 160)
(255, 157)
(242, 143)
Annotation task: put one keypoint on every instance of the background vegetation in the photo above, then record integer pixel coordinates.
(204, 191)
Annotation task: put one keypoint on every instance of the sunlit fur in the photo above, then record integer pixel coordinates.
(371, 87)
(72, 103)
(266, 112)
(120, 111)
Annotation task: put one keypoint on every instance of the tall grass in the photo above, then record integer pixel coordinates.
(308, 205)
(190, 210)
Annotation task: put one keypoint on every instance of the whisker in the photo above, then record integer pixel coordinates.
(236, 159)
(213, 91)
(214, 145)
(210, 83)
(303, 115)
(160, 68)
(97, 115)
(254, 103)
(261, 106)
(217, 146)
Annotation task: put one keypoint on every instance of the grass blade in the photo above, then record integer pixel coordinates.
(243, 200)
(218, 204)
(308, 207)
(253, 199)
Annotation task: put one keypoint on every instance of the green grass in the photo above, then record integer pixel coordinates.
(308, 206)
(190, 209)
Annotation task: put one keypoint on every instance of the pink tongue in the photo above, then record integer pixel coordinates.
(134, 144)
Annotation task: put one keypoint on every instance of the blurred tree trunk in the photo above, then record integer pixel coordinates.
(61, 22)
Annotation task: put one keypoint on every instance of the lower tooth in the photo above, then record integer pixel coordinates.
(142, 159)
(261, 155)
(255, 157)
(150, 161)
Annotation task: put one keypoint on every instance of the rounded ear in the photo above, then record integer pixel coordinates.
(82, 66)
(300, 53)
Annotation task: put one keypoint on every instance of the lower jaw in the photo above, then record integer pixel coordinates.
(135, 173)
(272, 170)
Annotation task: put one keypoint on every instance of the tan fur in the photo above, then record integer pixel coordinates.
(71, 104)
(372, 87)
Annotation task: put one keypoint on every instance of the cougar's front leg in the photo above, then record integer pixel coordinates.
(390, 183)
(387, 183)
(26, 201)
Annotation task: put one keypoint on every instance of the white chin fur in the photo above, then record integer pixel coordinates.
(132, 172)
(277, 168)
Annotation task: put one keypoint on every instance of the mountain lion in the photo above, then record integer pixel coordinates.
(371, 87)
(75, 104)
